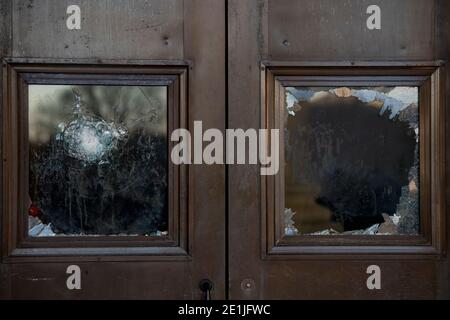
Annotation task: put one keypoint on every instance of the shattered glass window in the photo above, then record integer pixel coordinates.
(97, 160)
(352, 161)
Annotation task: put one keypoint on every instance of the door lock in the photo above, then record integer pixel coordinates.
(206, 286)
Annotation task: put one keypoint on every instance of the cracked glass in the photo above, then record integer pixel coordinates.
(351, 161)
(98, 161)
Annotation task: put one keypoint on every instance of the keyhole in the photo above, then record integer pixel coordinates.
(206, 286)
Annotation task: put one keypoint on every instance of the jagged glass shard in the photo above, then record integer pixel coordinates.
(352, 159)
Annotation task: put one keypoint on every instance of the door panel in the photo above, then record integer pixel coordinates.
(235, 78)
(338, 31)
(310, 44)
(157, 44)
(129, 30)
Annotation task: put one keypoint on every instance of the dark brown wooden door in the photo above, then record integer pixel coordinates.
(360, 108)
(132, 224)
(301, 67)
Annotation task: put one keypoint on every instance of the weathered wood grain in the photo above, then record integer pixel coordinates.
(329, 29)
(110, 29)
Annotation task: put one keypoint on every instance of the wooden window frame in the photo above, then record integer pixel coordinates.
(275, 76)
(17, 245)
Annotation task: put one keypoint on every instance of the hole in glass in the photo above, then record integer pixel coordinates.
(351, 161)
(97, 160)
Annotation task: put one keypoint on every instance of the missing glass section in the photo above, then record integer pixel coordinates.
(352, 161)
(98, 160)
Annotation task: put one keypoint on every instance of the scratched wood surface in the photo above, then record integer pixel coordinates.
(329, 29)
(110, 29)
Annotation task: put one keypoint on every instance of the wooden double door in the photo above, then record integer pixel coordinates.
(353, 96)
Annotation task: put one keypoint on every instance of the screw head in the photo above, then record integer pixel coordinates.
(247, 284)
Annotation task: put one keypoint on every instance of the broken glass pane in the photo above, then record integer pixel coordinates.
(352, 161)
(98, 160)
